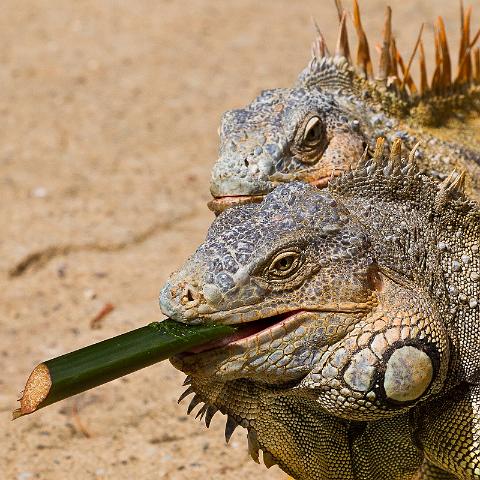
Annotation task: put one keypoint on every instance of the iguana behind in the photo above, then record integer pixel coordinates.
(359, 357)
(337, 107)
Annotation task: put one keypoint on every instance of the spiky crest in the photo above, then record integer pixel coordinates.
(364, 61)
(423, 70)
(393, 85)
(407, 79)
(209, 409)
(451, 188)
(393, 177)
(385, 69)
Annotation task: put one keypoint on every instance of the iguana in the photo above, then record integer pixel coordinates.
(336, 108)
(359, 354)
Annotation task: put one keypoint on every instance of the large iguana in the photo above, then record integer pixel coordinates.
(337, 107)
(359, 357)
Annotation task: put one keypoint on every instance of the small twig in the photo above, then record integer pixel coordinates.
(78, 421)
(96, 321)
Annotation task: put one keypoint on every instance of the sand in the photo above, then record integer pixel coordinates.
(109, 115)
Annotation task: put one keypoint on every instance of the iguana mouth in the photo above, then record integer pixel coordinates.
(270, 327)
(218, 204)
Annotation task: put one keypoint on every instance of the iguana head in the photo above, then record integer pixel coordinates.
(301, 133)
(295, 271)
(336, 109)
(306, 133)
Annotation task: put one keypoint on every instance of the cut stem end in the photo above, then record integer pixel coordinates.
(36, 390)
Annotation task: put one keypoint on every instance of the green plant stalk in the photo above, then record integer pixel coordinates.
(91, 366)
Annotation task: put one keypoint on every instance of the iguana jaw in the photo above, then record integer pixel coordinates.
(237, 356)
(275, 326)
(218, 204)
(260, 329)
(230, 357)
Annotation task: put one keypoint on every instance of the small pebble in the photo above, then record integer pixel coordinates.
(39, 192)
(90, 294)
(24, 475)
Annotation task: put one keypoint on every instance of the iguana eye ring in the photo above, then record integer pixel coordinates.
(284, 265)
(314, 132)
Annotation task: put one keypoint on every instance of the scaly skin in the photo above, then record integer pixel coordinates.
(365, 362)
(315, 129)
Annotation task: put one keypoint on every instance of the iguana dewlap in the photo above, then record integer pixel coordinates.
(359, 358)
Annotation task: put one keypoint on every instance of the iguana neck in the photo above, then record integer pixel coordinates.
(429, 237)
(451, 116)
(403, 239)
(432, 109)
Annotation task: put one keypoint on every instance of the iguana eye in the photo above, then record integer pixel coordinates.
(284, 265)
(314, 132)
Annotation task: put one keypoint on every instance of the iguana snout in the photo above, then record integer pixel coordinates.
(296, 273)
(282, 136)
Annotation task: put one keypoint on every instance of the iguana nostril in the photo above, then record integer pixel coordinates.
(189, 297)
(245, 161)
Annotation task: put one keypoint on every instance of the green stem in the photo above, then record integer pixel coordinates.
(83, 369)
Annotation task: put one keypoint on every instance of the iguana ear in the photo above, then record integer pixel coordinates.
(395, 357)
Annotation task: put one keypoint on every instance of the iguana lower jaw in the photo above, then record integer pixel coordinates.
(219, 204)
(256, 336)
(315, 177)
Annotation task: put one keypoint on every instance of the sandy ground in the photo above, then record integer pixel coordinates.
(109, 114)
